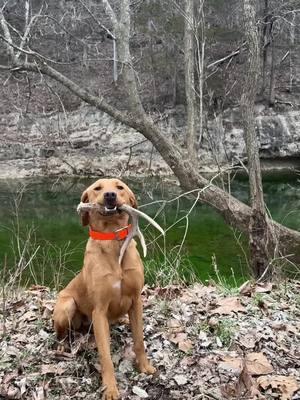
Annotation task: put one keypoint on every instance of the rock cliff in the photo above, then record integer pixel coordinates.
(89, 142)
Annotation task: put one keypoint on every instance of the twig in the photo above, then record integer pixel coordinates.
(233, 54)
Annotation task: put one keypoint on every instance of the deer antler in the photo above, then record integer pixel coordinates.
(82, 207)
(135, 230)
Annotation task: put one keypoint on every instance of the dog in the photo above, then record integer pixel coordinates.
(104, 290)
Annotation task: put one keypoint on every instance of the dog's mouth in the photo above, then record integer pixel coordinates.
(109, 208)
(110, 205)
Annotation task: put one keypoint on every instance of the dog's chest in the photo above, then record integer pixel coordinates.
(123, 291)
(128, 283)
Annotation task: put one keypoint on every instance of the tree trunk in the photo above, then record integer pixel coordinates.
(259, 232)
(189, 59)
(291, 51)
(122, 29)
(265, 45)
(200, 40)
(272, 76)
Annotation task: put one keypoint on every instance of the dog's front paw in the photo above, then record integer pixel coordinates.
(111, 393)
(147, 368)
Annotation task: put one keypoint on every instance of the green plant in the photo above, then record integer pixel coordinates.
(222, 282)
(225, 330)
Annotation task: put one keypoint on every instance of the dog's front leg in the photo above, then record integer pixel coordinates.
(136, 323)
(102, 336)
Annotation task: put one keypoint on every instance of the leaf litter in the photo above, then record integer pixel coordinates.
(204, 344)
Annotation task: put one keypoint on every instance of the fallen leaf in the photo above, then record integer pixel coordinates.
(61, 355)
(233, 365)
(257, 364)
(180, 338)
(263, 287)
(287, 385)
(188, 361)
(129, 353)
(185, 345)
(29, 316)
(9, 377)
(180, 379)
(229, 305)
(10, 393)
(140, 392)
(177, 337)
(249, 383)
(39, 394)
(125, 366)
(21, 338)
(43, 334)
(196, 293)
(248, 341)
(52, 369)
(22, 385)
(246, 289)
(204, 340)
(174, 325)
(38, 288)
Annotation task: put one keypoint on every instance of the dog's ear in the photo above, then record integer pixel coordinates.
(84, 216)
(132, 199)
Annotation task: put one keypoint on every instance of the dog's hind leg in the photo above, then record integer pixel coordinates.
(65, 315)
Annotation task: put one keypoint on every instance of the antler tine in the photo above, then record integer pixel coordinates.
(131, 211)
(135, 230)
(132, 233)
(87, 207)
(142, 240)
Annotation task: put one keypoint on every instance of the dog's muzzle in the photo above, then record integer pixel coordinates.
(110, 202)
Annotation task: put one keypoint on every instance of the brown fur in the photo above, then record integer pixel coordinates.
(103, 291)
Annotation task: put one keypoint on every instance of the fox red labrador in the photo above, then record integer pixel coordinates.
(104, 290)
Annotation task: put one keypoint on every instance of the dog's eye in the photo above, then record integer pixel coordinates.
(98, 188)
(120, 187)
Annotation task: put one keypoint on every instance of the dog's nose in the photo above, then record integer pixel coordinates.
(110, 196)
(110, 199)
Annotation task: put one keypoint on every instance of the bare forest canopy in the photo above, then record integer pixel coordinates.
(77, 36)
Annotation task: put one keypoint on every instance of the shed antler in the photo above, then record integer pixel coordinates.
(135, 230)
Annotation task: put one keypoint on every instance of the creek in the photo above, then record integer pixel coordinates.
(39, 221)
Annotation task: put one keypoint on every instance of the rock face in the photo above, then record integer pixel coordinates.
(279, 136)
(89, 142)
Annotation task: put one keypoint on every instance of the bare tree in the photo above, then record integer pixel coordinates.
(259, 232)
(200, 47)
(234, 211)
(189, 59)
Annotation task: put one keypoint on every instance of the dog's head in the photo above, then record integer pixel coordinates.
(109, 194)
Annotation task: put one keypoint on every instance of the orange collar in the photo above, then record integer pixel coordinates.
(119, 234)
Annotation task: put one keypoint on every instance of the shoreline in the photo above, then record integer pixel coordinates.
(52, 168)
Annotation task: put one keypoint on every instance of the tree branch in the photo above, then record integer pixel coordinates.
(7, 36)
(110, 12)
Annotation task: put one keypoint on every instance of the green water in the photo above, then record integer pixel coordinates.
(45, 211)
